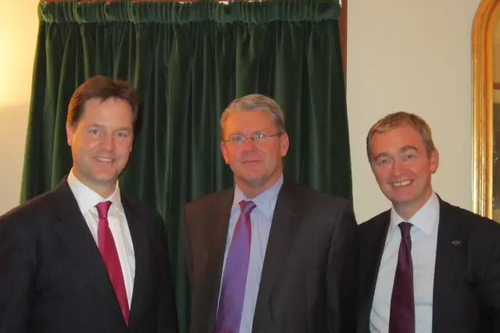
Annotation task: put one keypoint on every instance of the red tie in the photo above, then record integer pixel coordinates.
(110, 255)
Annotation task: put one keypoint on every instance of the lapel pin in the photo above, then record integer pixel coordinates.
(456, 243)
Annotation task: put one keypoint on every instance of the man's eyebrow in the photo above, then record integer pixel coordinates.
(406, 148)
(384, 154)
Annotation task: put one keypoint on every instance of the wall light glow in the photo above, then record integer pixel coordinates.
(18, 33)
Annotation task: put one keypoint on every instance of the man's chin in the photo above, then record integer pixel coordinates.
(254, 181)
(106, 177)
(400, 195)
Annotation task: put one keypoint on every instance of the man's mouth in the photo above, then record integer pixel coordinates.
(402, 184)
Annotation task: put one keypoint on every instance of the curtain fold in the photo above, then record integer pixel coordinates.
(188, 61)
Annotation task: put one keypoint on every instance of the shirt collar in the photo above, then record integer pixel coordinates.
(88, 198)
(426, 218)
(265, 201)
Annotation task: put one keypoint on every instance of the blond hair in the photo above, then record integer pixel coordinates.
(400, 119)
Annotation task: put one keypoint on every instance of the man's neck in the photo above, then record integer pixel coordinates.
(251, 192)
(408, 210)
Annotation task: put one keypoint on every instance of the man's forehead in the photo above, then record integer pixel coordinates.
(392, 149)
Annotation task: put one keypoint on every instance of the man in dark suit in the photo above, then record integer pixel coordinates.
(84, 257)
(425, 265)
(268, 255)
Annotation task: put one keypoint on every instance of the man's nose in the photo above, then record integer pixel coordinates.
(248, 144)
(107, 142)
(397, 168)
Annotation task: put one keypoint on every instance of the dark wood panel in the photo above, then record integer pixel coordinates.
(343, 37)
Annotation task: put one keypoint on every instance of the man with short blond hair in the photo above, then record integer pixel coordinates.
(425, 265)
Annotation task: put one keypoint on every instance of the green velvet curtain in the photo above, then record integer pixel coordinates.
(188, 61)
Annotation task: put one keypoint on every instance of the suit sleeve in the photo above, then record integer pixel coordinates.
(167, 313)
(186, 240)
(17, 275)
(489, 288)
(342, 273)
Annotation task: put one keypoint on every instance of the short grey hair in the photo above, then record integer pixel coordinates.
(256, 102)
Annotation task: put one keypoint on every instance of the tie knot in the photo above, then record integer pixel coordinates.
(103, 208)
(405, 229)
(247, 207)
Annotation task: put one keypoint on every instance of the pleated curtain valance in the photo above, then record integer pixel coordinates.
(186, 12)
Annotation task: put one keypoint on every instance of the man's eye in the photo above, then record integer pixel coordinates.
(237, 139)
(260, 136)
(94, 131)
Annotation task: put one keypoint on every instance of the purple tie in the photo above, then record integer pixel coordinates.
(402, 318)
(235, 273)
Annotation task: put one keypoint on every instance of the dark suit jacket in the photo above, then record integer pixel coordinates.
(308, 277)
(467, 272)
(53, 278)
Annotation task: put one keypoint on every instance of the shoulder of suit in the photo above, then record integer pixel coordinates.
(140, 207)
(466, 217)
(33, 210)
(211, 199)
(38, 203)
(297, 191)
(381, 218)
(307, 194)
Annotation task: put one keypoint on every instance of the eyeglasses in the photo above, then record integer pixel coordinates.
(257, 138)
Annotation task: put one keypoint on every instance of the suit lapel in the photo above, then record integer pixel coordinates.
(451, 248)
(141, 254)
(74, 232)
(285, 221)
(372, 239)
(216, 225)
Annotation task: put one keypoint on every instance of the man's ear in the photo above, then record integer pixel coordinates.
(434, 160)
(284, 144)
(223, 149)
(70, 131)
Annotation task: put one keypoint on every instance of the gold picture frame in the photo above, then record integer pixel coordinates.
(483, 32)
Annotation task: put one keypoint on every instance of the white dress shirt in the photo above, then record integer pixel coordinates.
(423, 234)
(261, 219)
(87, 199)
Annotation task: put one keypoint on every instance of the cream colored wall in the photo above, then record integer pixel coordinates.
(403, 55)
(18, 32)
(413, 56)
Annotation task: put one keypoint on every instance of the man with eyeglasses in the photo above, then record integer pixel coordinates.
(268, 255)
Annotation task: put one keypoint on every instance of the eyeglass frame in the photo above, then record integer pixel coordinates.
(253, 137)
